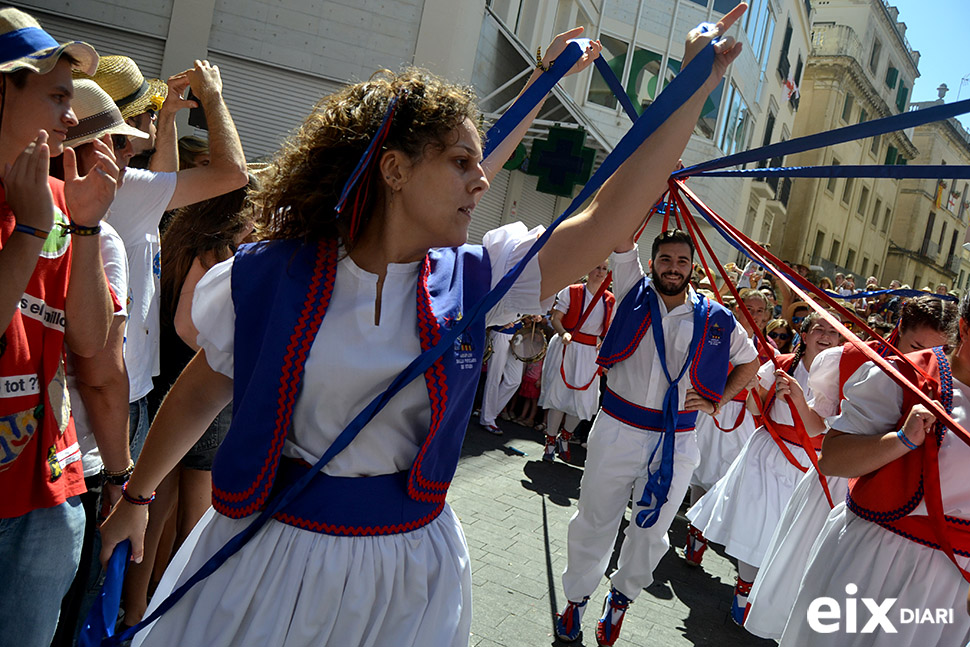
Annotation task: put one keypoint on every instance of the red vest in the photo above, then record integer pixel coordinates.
(888, 495)
(577, 303)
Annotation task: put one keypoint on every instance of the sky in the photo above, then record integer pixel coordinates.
(936, 29)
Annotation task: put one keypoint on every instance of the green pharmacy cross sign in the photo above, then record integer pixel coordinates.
(561, 161)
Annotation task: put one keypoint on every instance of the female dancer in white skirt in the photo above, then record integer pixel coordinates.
(743, 508)
(336, 568)
(881, 436)
(721, 437)
(925, 322)
(572, 353)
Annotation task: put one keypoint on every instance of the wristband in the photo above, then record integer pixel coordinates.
(717, 408)
(80, 230)
(118, 478)
(135, 500)
(539, 65)
(906, 441)
(31, 231)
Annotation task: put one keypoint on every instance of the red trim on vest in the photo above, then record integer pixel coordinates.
(314, 308)
(360, 531)
(429, 333)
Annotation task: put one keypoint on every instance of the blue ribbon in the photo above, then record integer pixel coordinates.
(104, 614)
(614, 84)
(898, 171)
(897, 292)
(849, 133)
(688, 82)
(658, 482)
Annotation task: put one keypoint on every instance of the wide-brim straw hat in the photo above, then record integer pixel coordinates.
(24, 45)
(120, 77)
(97, 115)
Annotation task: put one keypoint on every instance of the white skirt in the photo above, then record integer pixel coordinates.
(295, 587)
(742, 509)
(776, 586)
(718, 448)
(881, 565)
(580, 368)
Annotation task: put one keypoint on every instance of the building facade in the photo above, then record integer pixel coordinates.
(932, 216)
(861, 67)
(277, 59)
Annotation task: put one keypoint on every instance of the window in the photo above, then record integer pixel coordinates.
(885, 221)
(875, 271)
(960, 282)
(863, 202)
(708, 119)
(901, 95)
(892, 75)
(891, 154)
(927, 235)
(865, 266)
(874, 146)
(784, 65)
(834, 254)
(614, 53)
(846, 108)
(967, 285)
(724, 6)
(766, 139)
(850, 259)
(830, 186)
(874, 58)
(876, 210)
(644, 77)
(732, 135)
(863, 115)
(760, 29)
(817, 249)
(847, 191)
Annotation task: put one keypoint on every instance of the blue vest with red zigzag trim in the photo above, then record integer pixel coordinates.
(280, 291)
(709, 368)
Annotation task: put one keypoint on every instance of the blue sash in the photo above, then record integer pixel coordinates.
(707, 362)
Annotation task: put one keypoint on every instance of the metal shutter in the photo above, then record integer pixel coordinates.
(267, 102)
(146, 50)
(535, 208)
(488, 213)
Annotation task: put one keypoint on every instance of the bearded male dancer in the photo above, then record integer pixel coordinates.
(642, 444)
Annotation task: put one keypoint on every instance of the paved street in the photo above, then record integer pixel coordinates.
(515, 510)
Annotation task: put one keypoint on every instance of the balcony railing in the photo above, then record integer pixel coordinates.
(836, 40)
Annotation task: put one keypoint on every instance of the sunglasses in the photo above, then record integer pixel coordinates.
(797, 320)
(118, 142)
(780, 336)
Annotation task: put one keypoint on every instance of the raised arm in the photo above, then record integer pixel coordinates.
(227, 165)
(501, 154)
(166, 156)
(88, 308)
(621, 204)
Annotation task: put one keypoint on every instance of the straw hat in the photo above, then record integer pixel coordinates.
(97, 115)
(24, 45)
(120, 77)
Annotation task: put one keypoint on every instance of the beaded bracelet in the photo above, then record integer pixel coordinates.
(135, 500)
(539, 65)
(80, 230)
(906, 441)
(31, 231)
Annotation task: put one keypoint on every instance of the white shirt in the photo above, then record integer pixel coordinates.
(135, 213)
(594, 323)
(874, 405)
(116, 271)
(640, 378)
(780, 411)
(352, 360)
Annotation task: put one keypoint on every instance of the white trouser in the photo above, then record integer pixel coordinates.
(616, 462)
(502, 379)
